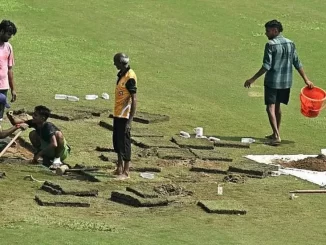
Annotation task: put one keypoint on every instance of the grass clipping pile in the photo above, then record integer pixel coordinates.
(310, 163)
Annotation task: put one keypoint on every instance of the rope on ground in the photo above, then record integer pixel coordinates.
(30, 177)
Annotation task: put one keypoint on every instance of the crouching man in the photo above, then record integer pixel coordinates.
(47, 139)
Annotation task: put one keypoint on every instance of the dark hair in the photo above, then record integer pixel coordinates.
(274, 24)
(8, 26)
(43, 111)
(122, 58)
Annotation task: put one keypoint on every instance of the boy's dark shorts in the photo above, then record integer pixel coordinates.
(275, 96)
(121, 138)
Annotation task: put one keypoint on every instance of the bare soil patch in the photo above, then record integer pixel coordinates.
(17, 153)
(172, 190)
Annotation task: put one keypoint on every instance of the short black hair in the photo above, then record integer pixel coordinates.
(274, 23)
(8, 26)
(122, 58)
(43, 111)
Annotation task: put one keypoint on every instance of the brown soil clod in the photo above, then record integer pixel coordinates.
(148, 152)
(172, 190)
(310, 163)
(234, 178)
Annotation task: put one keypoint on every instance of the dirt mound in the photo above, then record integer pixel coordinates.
(171, 190)
(234, 178)
(16, 154)
(311, 163)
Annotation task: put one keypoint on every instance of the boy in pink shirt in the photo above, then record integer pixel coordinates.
(7, 30)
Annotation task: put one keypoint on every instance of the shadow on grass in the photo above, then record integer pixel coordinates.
(257, 140)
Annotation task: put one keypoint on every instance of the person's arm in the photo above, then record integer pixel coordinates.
(298, 66)
(132, 110)
(11, 63)
(267, 64)
(132, 88)
(305, 78)
(12, 84)
(250, 81)
(8, 132)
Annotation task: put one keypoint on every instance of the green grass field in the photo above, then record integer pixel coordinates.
(191, 58)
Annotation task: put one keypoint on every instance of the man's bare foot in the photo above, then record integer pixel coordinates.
(274, 141)
(122, 177)
(271, 136)
(116, 172)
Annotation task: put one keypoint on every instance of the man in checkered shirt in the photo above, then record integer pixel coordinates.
(280, 56)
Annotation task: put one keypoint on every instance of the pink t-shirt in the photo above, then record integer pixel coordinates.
(6, 60)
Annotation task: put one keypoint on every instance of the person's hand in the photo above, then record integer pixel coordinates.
(248, 83)
(13, 95)
(309, 84)
(23, 126)
(128, 127)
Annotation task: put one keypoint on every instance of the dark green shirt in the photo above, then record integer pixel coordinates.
(279, 57)
(46, 131)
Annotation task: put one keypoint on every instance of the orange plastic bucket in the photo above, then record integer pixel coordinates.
(312, 101)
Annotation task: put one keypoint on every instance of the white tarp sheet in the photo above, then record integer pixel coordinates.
(315, 177)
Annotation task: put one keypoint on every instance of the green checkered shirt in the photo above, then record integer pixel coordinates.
(279, 56)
